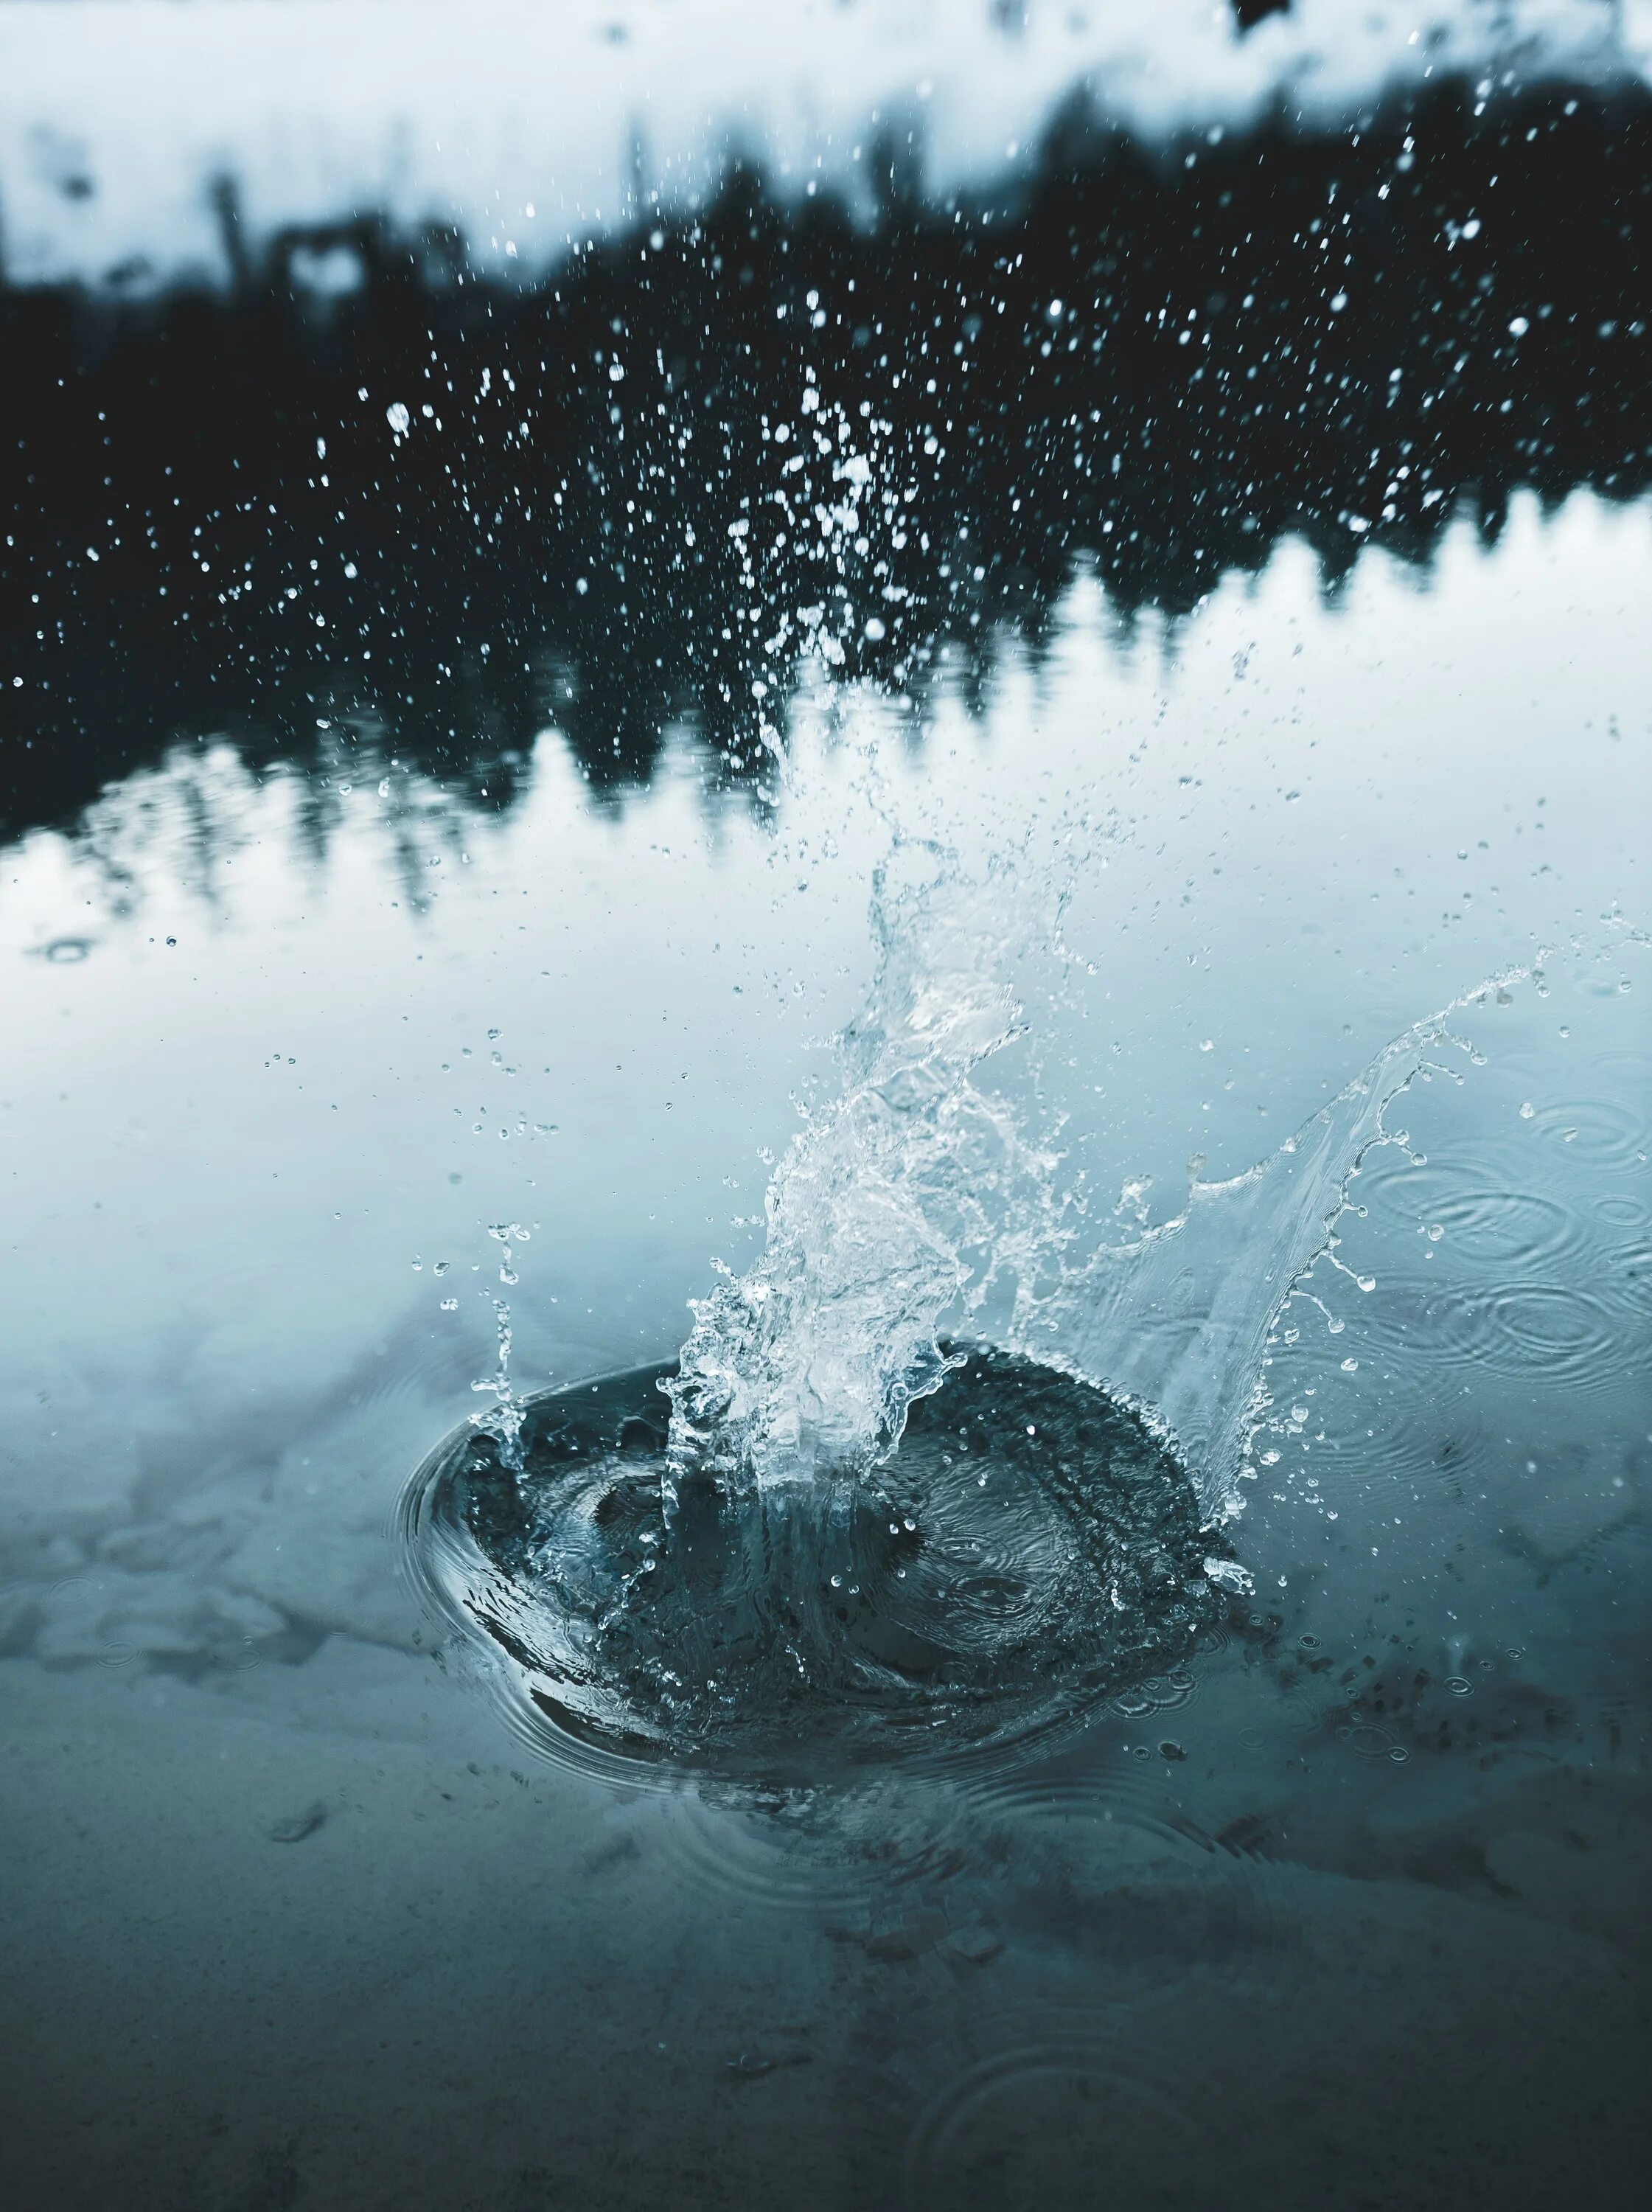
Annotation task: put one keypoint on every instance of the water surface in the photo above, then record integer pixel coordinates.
(1237, 970)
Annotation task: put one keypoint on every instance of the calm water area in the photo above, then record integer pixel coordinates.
(424, 925)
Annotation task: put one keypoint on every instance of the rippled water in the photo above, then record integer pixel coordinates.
(1029, 1549)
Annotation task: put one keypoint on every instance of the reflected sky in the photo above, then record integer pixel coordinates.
(302, 1035)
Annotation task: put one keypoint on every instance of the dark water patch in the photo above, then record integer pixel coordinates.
(1113, 1864)
(294, 1827)
(440, 513)
(1029, 1550)
(818, 1851)
(1053, 2096)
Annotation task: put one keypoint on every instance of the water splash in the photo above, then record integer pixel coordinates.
(895, 1212)
(1185, 1315)
(924, 1205)
(1031, 1550)
(503, 1420)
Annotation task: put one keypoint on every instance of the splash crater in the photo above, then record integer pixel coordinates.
(1032, 1547)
